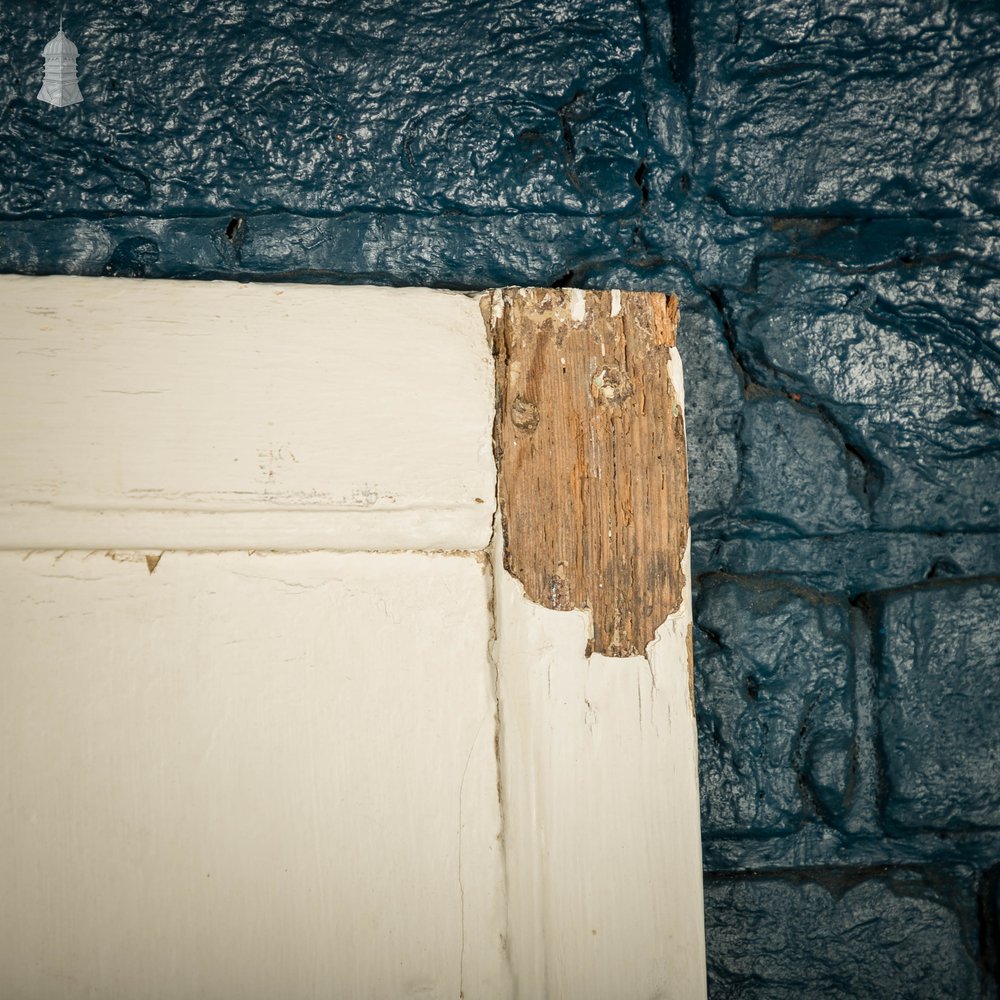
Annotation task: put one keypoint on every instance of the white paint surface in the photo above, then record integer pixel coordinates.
(248, 777)
(273, 775)
(600, 780)
(171, 414)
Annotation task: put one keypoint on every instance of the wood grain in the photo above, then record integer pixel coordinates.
(592, 468)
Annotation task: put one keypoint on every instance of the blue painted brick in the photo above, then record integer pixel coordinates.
(859, 107)
(819, 184)
(842, 936)
(321, 108)
(774, 698)
(797, 473)
(905, 364)
(939, 706)
(713, 404)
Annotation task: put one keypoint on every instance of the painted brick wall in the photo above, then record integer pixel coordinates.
(819, 182)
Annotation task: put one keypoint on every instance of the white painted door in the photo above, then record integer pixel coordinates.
(275, 722)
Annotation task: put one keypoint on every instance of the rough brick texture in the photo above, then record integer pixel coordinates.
(818, 182)
(851, 106)
(939, 706)
(808, 931)
(775, 689)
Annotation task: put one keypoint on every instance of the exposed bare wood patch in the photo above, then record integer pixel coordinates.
(589, 438)
(152, 560)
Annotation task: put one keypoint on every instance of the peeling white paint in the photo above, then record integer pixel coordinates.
(497, 309)
(616, 302)
(601, 808)
(578, 305)
(676, 371)
(275, 775)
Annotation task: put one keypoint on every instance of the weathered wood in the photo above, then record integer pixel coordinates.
(598, 752)
(231, 774)
(592, 466)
